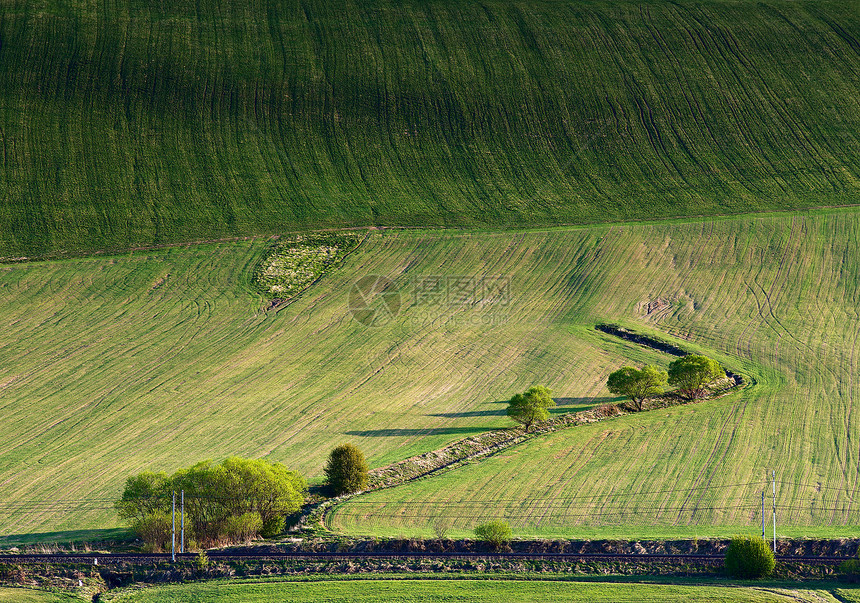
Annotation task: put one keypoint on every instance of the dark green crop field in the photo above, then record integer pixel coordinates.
(128, 123)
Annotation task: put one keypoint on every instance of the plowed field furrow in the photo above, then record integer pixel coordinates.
(797, 418)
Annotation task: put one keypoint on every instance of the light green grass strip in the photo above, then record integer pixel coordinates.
(409, 591)
(29, 595)
(113, 365)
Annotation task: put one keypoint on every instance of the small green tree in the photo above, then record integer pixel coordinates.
(749, 557)
(346, 470)
(531, 407)
(638, 385)
(692, 374)
(496, 533)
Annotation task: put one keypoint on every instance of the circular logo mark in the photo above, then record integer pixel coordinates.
(374, 301)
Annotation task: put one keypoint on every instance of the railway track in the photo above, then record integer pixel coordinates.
(149, 558)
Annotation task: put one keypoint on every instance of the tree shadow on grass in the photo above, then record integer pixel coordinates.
(563, 405)
(67, 537)
(499, 412)
(386, 433)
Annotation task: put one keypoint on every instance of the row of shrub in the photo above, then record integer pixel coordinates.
(235, 500)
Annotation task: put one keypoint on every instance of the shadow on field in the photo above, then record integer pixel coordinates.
(385, 433)
(499, 412)
(563, 405)
(71, 536)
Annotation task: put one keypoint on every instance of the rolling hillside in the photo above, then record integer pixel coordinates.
(112, 365)
(127, 123)
(776, 298)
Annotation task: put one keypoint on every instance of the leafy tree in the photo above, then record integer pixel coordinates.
(531, 407)
(346, 470)
(692, 374)
(144, 494)
(749, 557)
(638, 385)
(268, 489)
(495, 533)
(235, 499)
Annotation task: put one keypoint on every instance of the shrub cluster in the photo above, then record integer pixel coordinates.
(749, 557)
(294, 264)
(232, 501)
(495, 533)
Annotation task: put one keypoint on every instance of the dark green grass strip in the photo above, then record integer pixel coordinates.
(126, 123)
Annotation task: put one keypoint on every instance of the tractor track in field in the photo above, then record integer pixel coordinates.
(150, 558)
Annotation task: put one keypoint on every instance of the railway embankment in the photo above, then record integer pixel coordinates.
(98, 572)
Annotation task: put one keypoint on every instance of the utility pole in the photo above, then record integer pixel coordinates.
(173, 531)
(762, 515)
(182, 519)
(773, 473)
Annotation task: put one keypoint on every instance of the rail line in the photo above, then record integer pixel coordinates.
(148, 558)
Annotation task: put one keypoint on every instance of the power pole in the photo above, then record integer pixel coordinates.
(173, 531)
(762, 515)
(182, 519)
(773, 473)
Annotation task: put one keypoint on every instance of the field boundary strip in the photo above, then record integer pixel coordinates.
(489, 443)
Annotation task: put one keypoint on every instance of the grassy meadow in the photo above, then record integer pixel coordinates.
(153, 360)
(130, 123)
(409, 591)
(28, 595)
(775, 298)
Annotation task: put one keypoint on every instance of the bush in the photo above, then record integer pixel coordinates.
(346, 470)
(849, 571)
(216, 498)
(244, 527)
(154, 529)
(495, 533)
(607, 410)
(749, 557)
(272, 527)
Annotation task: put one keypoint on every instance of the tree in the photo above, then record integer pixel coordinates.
(346, 470)
(749, 557)
(692, 374)
(496, 533)
(531, 407)
(144, 494)
(222, 501)
(268, 489)
(638, 385)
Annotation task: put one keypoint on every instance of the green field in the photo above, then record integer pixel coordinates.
(112, 365)
(775, 298)
(132, 123)
(27, 595)
(383, 591)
